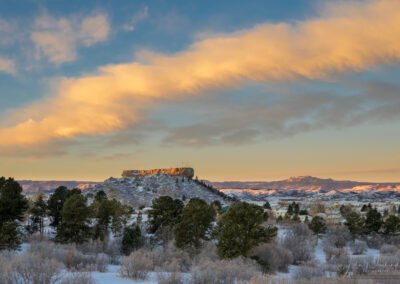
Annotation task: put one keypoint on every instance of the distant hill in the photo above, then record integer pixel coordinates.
(307, 183)
(32, 186)
(308, 186)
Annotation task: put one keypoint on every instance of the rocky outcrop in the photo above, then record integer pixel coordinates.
(183, 172)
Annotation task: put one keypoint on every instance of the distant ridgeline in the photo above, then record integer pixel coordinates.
(183, 172)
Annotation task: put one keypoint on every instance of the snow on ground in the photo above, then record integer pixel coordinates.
(319, 252)
(112, 277)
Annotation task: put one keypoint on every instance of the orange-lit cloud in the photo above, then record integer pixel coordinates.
(346, 37)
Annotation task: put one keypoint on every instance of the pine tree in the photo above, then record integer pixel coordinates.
(354, 223)
(100, 196)
(290, 209)
(317, 225)
(165, 212)
(74, 221)
(240, 229)
(12, 203)
(391, 225)
(194, 225)
(296, 208)
(104, 214)
(12, 207)
(131, 240)
(373, 222)
(267, 205)
(38, 213)
(9, 236)
(55, 205)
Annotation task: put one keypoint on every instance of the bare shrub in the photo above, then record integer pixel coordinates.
(388, 249)
(170, 254)
(337, 236)
(136, 265)
(358, 247)
(362, 265)
(298, 240)
(375, 241)
(308, 272)
(394, 240)
(209, 251)
(28, 269)
(267, 279)
(273, 257)
(70, 256)
(78, 278)
(336, 255)
(170, 273)
(223, 271)
(169, 278)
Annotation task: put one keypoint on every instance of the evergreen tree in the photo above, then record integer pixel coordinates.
(12, 207)
(354, 223)
(100, 196)
(195, 224)
(121, 214)
(74, 220)
(37, 212)
(105, 211)
(345, 210)
(217, 206)
(131, 240)
(55, 205)
(12, 203)
(267, 205)
(240, 229)
(364, 208)
(296, 208)
(391, 225)
(373, 222)
(165, 212)
(9, 235)
(290, 209)
(303, 212)
(317, 225)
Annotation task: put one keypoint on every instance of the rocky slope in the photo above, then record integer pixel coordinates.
(142, 190)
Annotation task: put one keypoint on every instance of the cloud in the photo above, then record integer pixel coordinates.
(137, 17)
(7, 66)
(349, 36)
(59, 39)
(8, 32)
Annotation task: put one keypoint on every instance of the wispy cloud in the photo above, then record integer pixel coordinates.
(136, 18)
(349, 36)
(7, 66)
(59, 38)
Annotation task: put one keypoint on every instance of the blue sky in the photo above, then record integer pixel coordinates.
(282, 99)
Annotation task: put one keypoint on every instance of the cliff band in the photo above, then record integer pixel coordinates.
(184, 172)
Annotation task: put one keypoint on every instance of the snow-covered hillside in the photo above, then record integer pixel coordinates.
(140, 191)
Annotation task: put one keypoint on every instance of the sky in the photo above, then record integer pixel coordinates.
(238, 90)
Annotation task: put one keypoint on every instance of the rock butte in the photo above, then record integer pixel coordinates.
(184, 172)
